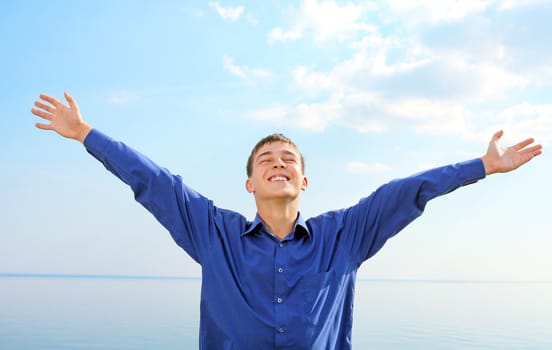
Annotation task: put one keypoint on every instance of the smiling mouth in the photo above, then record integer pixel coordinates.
(278, 178)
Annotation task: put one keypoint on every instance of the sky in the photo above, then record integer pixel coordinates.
(370, 91)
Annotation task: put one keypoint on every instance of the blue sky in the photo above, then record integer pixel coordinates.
(370, 91)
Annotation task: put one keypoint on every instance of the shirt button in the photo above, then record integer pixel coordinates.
(281, 330)
(279, 300)
(280, 270)
(281, 245)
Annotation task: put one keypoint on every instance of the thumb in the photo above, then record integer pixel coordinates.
(497, 135)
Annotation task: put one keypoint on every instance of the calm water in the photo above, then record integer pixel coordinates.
(123, 313)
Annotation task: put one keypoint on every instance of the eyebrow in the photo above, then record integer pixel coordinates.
(270, 153)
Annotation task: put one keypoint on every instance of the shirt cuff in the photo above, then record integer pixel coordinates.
(474, 170)
(96, 142)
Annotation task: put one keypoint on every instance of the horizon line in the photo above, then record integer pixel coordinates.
(93, 276)
(159, 277)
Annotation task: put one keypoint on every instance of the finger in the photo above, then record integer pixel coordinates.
(50, 99)
(529, 154)
(523, 144)
(70, 100)
(526, 158)
(534, 150)
(46, 107)
(41, 114)
(44, 126)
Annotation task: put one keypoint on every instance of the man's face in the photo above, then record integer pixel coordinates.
(277, 172)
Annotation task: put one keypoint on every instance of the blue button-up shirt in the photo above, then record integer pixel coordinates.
(259, 292)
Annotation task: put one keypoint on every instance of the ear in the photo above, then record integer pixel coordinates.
(305, 183)
(249, 185)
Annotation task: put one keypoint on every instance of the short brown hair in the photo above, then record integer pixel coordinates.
(277, 137)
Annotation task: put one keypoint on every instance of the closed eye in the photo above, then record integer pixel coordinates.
(264, 160)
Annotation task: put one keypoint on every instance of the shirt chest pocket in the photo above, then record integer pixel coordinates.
(319, 293)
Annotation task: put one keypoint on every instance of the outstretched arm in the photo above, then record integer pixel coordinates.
(65, 120)
(186, 214)
(499, 159)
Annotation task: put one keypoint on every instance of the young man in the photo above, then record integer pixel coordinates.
(281, 281)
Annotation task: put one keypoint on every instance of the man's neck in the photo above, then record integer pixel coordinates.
(278, 217)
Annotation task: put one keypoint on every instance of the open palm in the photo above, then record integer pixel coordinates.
(64, 119)
(499, 159)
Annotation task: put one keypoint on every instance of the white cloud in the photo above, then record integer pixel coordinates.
(251, 19)
(277, 34)
(122, 97)
(431, 11)
(311, 116)
(518, 121)
(326, 19)
(427, 66)
(244, 72)
(339, 109)
(232, 68)
(310, 81)
(525, 110)
(316, 116)
(227, 13)
(509, 5)
(371, 95)
(525, 119)
(368, 114)
(366, 168)
(441, 74)
(429, 116)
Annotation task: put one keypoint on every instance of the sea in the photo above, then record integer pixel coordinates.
(43, 312)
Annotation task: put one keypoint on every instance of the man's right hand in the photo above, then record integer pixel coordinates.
(65, 120)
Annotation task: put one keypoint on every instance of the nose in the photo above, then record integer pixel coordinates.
(279, 163)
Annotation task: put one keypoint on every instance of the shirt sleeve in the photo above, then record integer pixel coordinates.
(181, 210)
(375, 219)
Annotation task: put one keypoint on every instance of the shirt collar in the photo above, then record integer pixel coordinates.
(299, 228)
